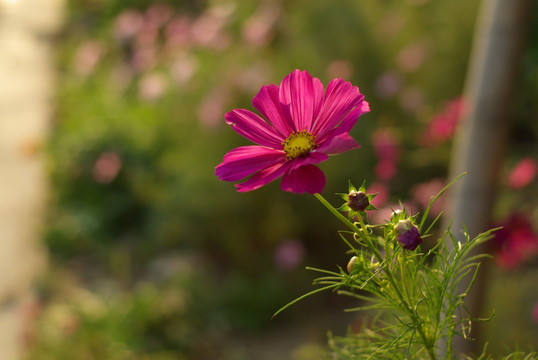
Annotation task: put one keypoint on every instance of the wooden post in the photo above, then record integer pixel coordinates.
(480, 142)
(26, 84)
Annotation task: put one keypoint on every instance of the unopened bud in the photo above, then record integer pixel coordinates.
(403, 226)
(396, 213)
(357, 200)
(351, 264)
(407, 234)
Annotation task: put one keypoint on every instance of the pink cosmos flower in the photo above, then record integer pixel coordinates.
(305, 123)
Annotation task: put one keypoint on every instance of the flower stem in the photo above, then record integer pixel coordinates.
(363, 233)
(335, 212)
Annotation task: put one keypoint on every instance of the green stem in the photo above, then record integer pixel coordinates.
(362, 232)
(335, 212)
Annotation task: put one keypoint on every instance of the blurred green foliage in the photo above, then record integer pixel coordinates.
(143, 88)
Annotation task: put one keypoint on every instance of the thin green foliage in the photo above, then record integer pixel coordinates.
(413, 294)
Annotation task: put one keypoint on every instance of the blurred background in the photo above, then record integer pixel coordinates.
(137, 251)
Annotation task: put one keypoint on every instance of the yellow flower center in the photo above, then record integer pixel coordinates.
(299, 144)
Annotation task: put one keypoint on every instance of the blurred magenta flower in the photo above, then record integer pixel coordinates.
(523, 173)
(535, 313)
(304, 125)
(515, 242)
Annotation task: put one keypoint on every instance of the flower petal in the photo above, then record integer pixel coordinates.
(306, 179)
(312, 158)
(349, 121)
(341, 97)
(268, 104)
(302, 97)
(338, 144)
(254, 128)
(346, 125)
(245, 160)
(263, 177)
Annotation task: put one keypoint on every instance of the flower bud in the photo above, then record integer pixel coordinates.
(403, 226)
(407, 234)
(396, 213)
(351, 264)
(358, 200)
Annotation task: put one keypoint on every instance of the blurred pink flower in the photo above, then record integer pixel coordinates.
(144, 58)
(211, 108)
(411, 57)
(253, 77)
(342, 69)
(106, 167)
(305, 123)
(523, 173)
(158, 14)
(386, 144)
(147, 35)
(388, 84)
(387, 150)
(423, 192)
(390, 24)
(258, 29)
(289, 254)
(87, 57)
(383, 194)
(385, 170)
(410, 99)
(184, 68)
(208, 30)
(443, 126)
(127, 24)
(178, 32)
(151, 86)
(515, 242)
